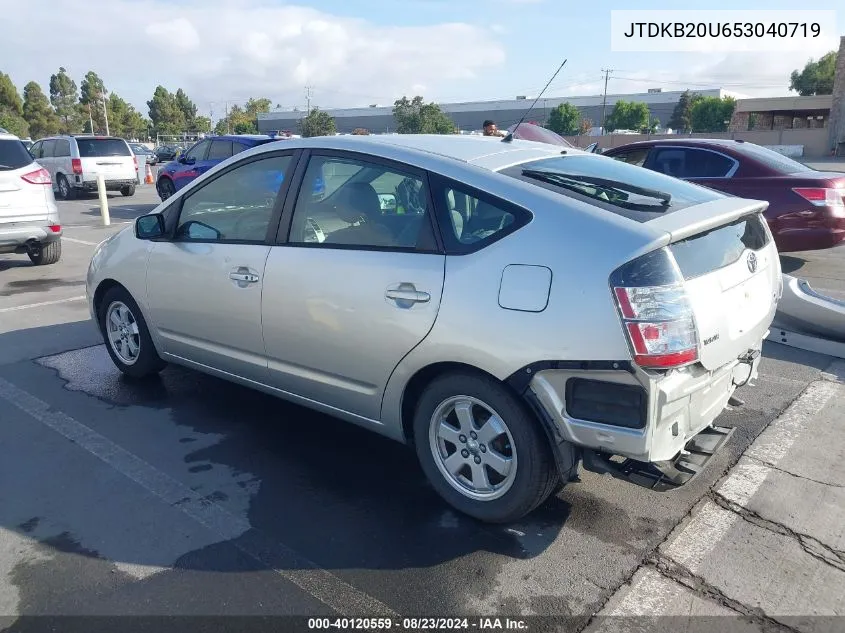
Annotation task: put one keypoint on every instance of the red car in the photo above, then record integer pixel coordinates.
(806, 207)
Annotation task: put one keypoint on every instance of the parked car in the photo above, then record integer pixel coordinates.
(527, 311)
(166, 153)
(144, 152)
(806, 207)
(29, 218)
(201, 157)
(75, 161)
(27, 143)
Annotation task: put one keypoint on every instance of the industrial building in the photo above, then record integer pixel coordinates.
(470, 115)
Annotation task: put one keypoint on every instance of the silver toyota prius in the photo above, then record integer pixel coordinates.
(511, 310)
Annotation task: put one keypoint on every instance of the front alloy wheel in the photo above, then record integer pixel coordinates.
(122, 332)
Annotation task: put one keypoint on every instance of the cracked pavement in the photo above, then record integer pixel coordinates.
(767, 544)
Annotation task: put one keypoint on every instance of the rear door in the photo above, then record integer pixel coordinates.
(108, 156)
(725, 251)
(20, 201)
(61, 161)
(345, 300)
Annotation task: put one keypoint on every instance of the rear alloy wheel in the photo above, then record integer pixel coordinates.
(165, 188)
(482, 449)
(45, 254)
(66, 192)
(128, 190)
(126, 335)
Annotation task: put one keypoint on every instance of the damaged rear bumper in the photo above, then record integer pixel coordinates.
(654, 429)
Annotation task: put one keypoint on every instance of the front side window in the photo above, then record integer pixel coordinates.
(236, 206)
(350, 202)
(198, 151)
(692, 163)
(220, 150)
(35, 150)
(48, 148)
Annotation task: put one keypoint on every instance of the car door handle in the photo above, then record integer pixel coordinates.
(412, 296)
(249, 278)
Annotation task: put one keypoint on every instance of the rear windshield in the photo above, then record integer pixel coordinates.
(706, 252)
(635, 192)
(771, 159)
(13, 155)
(89, 147)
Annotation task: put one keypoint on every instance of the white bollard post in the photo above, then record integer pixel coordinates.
(104, 200)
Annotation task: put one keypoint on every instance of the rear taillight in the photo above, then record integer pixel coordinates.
(817, 196)
(55, 228)
(656, 312)
(38, 177)
(76, 165)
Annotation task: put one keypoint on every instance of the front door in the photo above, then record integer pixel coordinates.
(204, 286)
(188, 167)
(356, 287)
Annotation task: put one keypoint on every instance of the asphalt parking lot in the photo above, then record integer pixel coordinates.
(192, 496)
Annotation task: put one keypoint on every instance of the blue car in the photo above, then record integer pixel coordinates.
(201, 157)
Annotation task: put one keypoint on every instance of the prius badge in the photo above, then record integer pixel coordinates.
(752, 262)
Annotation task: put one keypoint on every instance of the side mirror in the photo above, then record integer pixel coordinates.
(593, 148)
(150, 227)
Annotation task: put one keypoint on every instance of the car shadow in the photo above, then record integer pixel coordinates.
(121, 212)
(790, 264)
(338, 496)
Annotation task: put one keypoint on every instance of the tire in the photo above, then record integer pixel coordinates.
(66, 192)
(144, 362)
(45, 254)
(165, 188)
(531, 477)
(128, 190)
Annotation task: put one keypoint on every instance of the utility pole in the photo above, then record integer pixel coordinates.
(228, 128)
(105, 111)
(606, 72)
(308, 99)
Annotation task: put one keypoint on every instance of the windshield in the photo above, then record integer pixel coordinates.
(771, 159)
(89, 147)
(613, 184)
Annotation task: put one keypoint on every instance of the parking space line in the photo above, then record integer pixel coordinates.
(43, 303)
(305, 574)
(76, 241)
(91, 226)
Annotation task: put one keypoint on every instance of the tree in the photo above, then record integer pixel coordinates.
(38, 112)
(712, 114)
(361, 131)
(188, 109)
(92, 94)
(680, 119)
(585, 126)
(165, 113)
(317, 123)
(564, 119)
(628, 115)
(202, 124)
(417, 117)
(64, 97)
(11, 108)
(816, 78)
(221, 127)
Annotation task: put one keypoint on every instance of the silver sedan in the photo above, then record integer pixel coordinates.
(511, 310)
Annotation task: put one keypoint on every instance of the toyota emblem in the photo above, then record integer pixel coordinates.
(752, 262)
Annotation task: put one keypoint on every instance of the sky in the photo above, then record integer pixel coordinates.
(361, 52)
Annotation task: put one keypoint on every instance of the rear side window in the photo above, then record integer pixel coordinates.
(692, 163)
(634, 192)
(776, 162)
(13, 155)
(704, 253)
(90, 147)
(471, 219)
(62, 147)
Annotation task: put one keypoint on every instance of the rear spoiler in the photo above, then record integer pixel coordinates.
(697, 219)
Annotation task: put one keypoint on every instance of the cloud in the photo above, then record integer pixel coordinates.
(229, 50)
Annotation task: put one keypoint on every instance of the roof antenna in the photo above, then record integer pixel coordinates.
(509, 136)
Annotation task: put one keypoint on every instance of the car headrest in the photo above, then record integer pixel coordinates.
(358, 199)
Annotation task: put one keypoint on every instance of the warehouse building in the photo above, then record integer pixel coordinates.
(470, 115)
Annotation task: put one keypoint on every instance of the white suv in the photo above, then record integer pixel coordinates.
(75, 161)
(29, 219)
